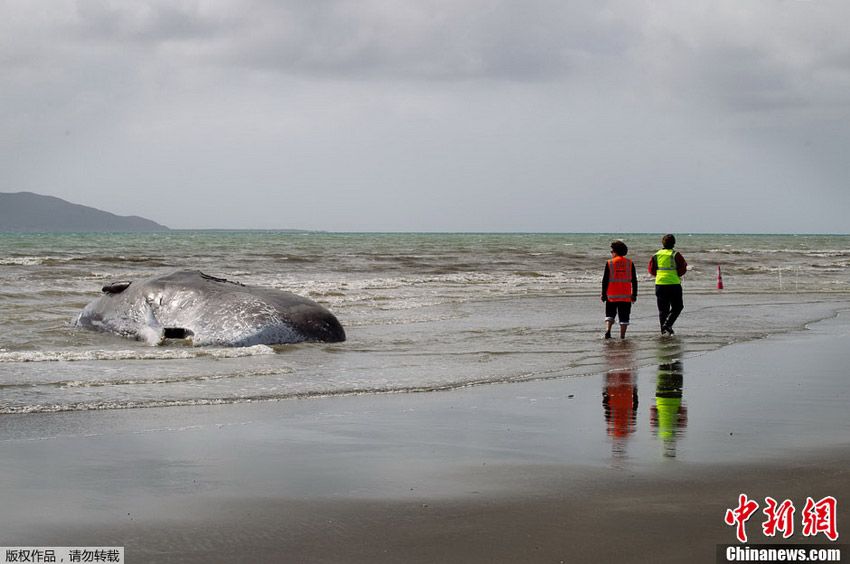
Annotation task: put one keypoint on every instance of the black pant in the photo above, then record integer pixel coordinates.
(670, 303)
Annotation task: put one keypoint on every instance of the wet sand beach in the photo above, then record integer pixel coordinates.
(628, 465)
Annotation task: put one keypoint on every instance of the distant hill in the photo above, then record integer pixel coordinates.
(28, 212)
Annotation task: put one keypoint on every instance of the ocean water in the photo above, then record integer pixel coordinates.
(422, 312)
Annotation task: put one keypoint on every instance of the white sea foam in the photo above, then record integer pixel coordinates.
(145, 381)
(24, 261)
(150, 335)
(133, 354)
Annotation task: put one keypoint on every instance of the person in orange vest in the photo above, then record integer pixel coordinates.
(619, 288)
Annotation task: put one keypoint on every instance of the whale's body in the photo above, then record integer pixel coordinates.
(189, 304)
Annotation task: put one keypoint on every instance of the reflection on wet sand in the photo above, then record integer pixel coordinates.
(620, 395)
(669, 416)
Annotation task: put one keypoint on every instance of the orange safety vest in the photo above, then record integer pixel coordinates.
(619, 280)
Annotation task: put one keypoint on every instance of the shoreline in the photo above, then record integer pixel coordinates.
(530, 471)
(581, 361)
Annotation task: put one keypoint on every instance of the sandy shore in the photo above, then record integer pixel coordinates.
(543, 471)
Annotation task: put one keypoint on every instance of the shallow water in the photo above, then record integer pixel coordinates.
(422, 311)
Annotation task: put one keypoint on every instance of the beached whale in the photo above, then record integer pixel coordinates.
(189, 304)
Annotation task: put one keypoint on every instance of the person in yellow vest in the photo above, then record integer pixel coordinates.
(668, 266)
(619, 288)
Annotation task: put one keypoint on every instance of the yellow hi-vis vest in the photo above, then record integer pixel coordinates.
(666, 274)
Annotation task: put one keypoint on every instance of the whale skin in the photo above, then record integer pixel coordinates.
(207, 310)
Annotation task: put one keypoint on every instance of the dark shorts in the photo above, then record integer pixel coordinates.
(618, 309)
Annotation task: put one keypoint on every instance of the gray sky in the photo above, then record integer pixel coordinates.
(434, 115)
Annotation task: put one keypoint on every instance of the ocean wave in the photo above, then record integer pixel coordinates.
(532, 274)
(284, 257)
(52, 260)
(280, 396)
(67, 384)
(125, 259)
(403, 293)
(133, 354)
(101, 406)
(31, 260)
(816, 253)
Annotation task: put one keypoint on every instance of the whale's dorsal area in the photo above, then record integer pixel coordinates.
(189, 304)
(115, 287)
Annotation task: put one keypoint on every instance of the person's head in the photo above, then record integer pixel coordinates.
(668, 241)
(619, 248)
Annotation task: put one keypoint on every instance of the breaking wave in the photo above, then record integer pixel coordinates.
(134, 354)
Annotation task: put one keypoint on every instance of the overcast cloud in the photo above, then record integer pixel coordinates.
(459, 115)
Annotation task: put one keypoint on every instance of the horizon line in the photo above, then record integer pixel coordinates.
(434, 232)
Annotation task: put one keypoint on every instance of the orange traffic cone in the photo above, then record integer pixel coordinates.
(719, 279)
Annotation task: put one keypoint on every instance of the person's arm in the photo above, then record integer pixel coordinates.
(681, 265)
(653, 266)
(634, 283)
(605, 284)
